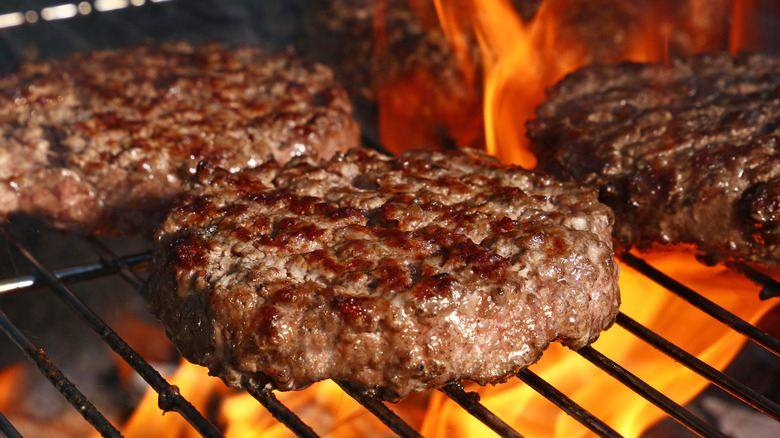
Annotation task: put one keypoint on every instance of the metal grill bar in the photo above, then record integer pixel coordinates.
(376, 407)
(121, 266)
(279, 410)
(566, 404)
(7, 429)
(73, 275)
(723, 381)
(146, 371)
(707, 306)
(470, 402)
(55, 376)
(680, 414)
(770, 287)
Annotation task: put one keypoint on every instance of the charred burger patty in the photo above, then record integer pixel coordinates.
(398, 274)
(101, 141)
(685, 153)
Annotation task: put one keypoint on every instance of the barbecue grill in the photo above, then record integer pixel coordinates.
(120, 264)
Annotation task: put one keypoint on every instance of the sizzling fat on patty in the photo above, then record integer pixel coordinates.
(102, 141)
(685, 153)
(398, 274)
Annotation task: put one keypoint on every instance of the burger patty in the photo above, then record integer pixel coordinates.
(397, 274)
(686, 153)
(101, 141)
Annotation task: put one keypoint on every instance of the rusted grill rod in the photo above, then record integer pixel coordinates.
(7, 429)
(723, 381)
(470, 402)
(382, 412)
(147, 372)
(71, 275)
(707, 306)
(566, 404)
(55, 376)
(679, 413)
(279, 410)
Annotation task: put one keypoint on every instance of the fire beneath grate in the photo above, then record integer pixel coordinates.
(99, 274)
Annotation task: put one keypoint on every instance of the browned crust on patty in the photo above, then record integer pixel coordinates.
(685, 153)
(398, 274)
(101, 141)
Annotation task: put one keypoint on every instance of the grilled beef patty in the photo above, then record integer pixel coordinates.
(398, 274)
(101, 141)
(686, 154)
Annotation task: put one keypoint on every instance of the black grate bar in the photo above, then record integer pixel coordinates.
(723, 381)
(124, 269)
(679, 413)
(173, 402)
(7, 429)
(281, 412)
(73, 275)
(470, 402)
(382, 412)
(55, 376)
(770, 288)
(707, 306)
(566, 404)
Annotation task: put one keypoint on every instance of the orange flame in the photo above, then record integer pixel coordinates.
(423, 102)
(194, 384)
(521, 59)
(324, 406)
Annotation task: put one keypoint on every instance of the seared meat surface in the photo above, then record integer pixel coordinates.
(686, 153)
(101, 141)
(398, 274)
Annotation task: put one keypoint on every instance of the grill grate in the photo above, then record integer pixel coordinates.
(56, 378)
(170, 399)
(679, 413)
(702, 303)
(723, 381)
(470, 402)
(126, 268)
(566, 404)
